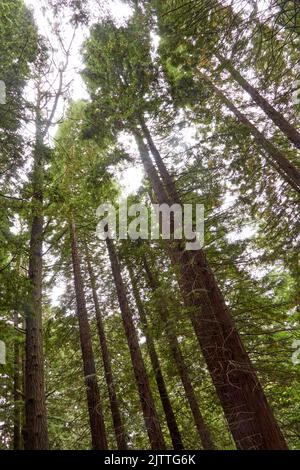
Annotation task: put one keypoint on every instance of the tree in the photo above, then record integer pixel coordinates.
(35, 406)
(161, 385)
(16, 60)
(149, 410)
(69, 190)
(132, 344)
(99, 441)
(235, 379)
(110, 381)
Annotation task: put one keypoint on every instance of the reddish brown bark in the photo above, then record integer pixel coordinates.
(17, 444)
(202, 428)
(97, 427)
(114, 403)
(166, 178)
(147, 403)
(35, 430)
(161, 385)
(249, 416)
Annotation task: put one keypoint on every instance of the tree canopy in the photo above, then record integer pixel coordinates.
(126, 343)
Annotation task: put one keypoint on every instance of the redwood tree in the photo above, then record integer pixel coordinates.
(233, 375)
(160, 381)
(97, 427)
(120, 432)
(151, 417)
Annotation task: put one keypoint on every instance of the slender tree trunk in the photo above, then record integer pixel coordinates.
(249, 416)
(147, 403)
(114, 403)
(277, 159)
(17, 389)
(35, 432)
(202, 428)
(23, 368)
(279, 120)
(161, 385)
(99, 441)
(167, 180)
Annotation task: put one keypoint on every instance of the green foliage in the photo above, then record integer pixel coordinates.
(251, 216)
(16, 55)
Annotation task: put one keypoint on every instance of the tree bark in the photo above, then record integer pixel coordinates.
(277, 159)
(202, 428)
(147, 403)
(161, 385)
(114, 403)
(98, 433)
(279, 120)
(166, 177)
(35, 431)
(249, 416)
(17, 445)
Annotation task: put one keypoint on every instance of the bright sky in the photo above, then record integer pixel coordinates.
(130, 179)
(45, 21)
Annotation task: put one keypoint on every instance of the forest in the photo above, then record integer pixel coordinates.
(113, 341)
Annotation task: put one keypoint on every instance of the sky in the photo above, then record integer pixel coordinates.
(43, 16)
(130, 179)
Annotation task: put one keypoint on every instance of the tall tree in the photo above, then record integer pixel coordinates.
(36, 436)
(151, 417)
(17, 59)
(219, 340)
(161, 385)
(276, 157)
(202, 428)
(235, 378)
(278, 119)
(110, 381)
(45, 109)
(98, 433)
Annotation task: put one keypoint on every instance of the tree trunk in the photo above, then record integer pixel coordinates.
(161, 385)
(23, 368)
(17, 388)
(167, 180)
(277, 159)
(98, 433)
(147, 403)
(35, 431)
(279, 120)
(114, 403)
(202, 428)
(249, 416)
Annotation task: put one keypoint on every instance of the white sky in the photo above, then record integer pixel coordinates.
(45, 21)
(129, 179)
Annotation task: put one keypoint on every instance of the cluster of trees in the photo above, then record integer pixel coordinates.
(152, 345)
